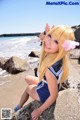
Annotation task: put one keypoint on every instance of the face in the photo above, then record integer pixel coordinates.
(50, 44)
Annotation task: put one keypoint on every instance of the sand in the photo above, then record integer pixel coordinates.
(11, 92)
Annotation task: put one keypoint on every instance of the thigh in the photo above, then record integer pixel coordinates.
(31, 80)
(31, 90)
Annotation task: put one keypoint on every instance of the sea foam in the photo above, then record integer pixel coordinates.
(18, 46)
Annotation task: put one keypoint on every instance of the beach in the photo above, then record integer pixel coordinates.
(11, 92)
(12, 86)
(20, 47)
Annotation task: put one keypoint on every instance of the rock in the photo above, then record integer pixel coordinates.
(67, 105)
(79, 60)
(34, 54)
(76, 30)
(35, 71)
(15, 65)
(75, 27)
(65, 85)
(67, 108)
(25, 112)
(77, 34)
(2, 62)
(74, 54)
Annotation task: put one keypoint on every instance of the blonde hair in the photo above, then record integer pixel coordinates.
(61, 33)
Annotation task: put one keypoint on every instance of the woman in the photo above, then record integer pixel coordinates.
(53, 69)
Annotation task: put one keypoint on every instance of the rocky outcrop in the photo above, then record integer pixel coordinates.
(75, 27)
(25, 112)
(79, 60)
(15, 65)
(34, 54)
(68, 105)
(77, 36)
(76, 30)
(2, 62)
(67, 108)
(74, 54)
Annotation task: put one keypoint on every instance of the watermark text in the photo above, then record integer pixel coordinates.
(62, 3)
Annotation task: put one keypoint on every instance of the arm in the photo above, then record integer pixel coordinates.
(53, 88)
(41, 36)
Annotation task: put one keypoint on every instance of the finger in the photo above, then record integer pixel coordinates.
(53, 26)
(47, 28)
(34, 118)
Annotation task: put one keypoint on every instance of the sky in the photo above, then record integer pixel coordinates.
(30, 16)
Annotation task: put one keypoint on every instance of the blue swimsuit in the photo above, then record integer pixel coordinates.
(42, 87)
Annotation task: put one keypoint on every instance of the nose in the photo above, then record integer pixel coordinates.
(47, 40)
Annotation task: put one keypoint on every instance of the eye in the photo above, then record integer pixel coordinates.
(49, 35)
(56, 41)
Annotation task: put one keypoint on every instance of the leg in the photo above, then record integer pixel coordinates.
(23, 99)
(30, 91)
(32, 80)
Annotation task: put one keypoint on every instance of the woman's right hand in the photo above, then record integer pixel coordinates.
(47, 28)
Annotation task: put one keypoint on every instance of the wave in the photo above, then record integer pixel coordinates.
(20, 46)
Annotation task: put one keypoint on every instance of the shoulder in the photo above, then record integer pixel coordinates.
(56, 68)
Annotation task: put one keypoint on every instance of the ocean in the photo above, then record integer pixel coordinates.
(18, 46)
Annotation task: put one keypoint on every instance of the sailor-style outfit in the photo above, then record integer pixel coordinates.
(42, 87)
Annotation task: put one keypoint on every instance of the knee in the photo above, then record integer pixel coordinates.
(28, 79)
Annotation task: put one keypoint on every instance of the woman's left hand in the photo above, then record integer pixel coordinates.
(35, 114)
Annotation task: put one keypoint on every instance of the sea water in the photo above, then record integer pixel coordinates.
(20, 47)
